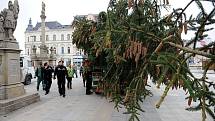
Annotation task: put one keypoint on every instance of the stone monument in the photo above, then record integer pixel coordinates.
(43, 56)
(12, 92)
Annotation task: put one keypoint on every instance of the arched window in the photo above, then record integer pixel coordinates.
(54, 37)
(62, 50)
(68, 36)
(62, 37)
(68, 50)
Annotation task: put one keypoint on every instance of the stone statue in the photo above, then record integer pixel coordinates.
(10, 17)
(52, 52)
(43, 9)
(1, 27)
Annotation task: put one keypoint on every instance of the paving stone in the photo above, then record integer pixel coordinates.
(77, 106)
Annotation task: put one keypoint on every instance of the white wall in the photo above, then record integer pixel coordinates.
(58, 43)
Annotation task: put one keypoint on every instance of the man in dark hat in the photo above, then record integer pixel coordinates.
(61, 73)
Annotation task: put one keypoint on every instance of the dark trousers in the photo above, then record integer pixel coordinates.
(84, 81)
(88, 85)
(61, 86)
(76, 75)
(48, 83)
(39, 80)
(69, 82)
(81, 73)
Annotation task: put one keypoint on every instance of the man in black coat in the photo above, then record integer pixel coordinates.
(48, 70)
(88, 76)
(61, 73)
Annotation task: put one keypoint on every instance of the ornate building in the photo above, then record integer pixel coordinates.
(58, 36)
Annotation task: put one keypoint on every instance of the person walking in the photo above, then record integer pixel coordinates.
(81, 71)
(61, 73)
(70, 76)
(88, 77)
(48, 70)
(39, 73)
(75, 70)
(83, 74)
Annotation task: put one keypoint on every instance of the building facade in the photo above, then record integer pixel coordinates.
(58, 36)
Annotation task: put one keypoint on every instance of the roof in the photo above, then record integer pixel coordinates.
(85, 16)
(50, 25)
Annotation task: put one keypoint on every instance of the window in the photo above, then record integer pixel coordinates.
(33, 38)
(40, 38)
(62, 37)
(29, 63)
(54, 37)
(62, 50)
(68, 50)
(28, 39)
(79, 51)
(21, 61)
(68, 36)
(47, 37)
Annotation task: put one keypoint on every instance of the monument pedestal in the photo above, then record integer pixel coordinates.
(12, 92)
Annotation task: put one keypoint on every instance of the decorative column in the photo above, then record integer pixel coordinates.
(43, 47)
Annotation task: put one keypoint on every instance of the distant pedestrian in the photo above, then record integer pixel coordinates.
(75, 70)
(61, 73)
(83, 75)
(48, 70)
(39, 73)
(81, 71)
(70, 71)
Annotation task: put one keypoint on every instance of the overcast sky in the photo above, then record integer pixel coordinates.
(63, 11)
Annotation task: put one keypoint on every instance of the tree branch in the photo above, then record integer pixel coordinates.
(191, 50)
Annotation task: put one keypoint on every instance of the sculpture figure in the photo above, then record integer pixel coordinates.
(1, 27)
(43, 9)
(10, 17)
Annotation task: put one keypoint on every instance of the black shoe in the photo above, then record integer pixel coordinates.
(60, 94)
(64, 96)
(89, 93)
(46, 93)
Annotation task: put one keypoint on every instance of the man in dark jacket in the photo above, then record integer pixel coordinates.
(48, 70)
(61, 73)
(88, 76)
(39, 73)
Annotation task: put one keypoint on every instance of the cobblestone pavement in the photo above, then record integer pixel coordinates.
(77, 106)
